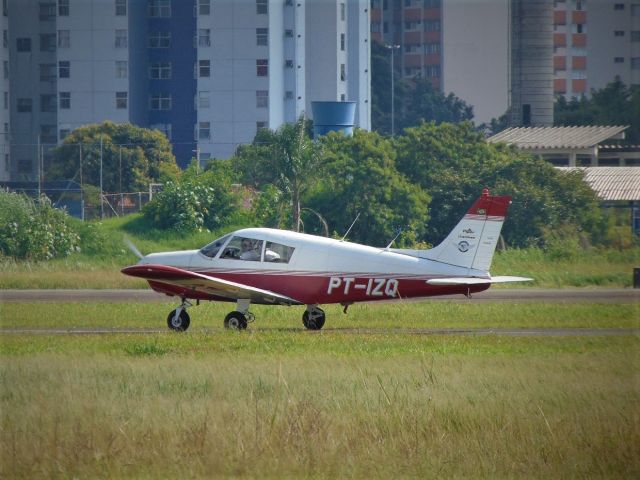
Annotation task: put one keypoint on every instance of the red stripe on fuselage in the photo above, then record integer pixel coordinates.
(313, 288)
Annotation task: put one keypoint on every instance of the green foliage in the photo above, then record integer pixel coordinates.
(287, 159)
(615, 104)
(34, 230)
(132, 157)
(453, 163)
(361, 177)
(195, 203)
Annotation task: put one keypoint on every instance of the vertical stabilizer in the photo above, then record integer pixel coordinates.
(472, 243)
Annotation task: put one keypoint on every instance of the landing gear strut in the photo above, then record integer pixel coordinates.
(239, 318)
(313, 318)
(178, 320)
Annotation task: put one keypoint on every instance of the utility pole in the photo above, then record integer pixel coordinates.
(197, 152)
(39, 168)
(101, 193)
(81, 189)
(393, 111)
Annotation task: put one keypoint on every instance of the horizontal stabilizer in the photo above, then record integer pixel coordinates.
(475, 280)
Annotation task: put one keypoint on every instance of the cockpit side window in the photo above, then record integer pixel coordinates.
(278, 253)
(243, 248)
(214, 247)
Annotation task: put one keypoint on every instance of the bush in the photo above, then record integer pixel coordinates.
(34, 229)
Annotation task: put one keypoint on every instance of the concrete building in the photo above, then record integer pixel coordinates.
(5, 134)
(207, 73)
(595, 41)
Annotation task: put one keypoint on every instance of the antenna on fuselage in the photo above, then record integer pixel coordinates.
(394, 239)
(349, 229)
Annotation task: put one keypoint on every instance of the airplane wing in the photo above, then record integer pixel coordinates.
(206, 284)
(475, 280)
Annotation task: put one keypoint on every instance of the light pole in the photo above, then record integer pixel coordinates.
(393, 110)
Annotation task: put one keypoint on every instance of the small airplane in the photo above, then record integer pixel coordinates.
(280, 267)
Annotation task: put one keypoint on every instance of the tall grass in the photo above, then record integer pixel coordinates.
(150, 414)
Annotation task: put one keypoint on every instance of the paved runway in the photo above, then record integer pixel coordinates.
(519, 295)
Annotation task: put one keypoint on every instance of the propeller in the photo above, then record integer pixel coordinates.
(132, 247)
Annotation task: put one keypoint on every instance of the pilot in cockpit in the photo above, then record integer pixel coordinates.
(250, 250)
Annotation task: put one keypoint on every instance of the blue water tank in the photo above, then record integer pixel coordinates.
(333, 117)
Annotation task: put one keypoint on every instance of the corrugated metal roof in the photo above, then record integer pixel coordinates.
(612, 183)
(556, 137)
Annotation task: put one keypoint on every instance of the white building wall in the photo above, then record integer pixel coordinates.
(93, 55)
(5, 124)
(475, 54)
(359, 61)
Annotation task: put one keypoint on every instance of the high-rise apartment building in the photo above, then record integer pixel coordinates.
(207, 73)
(5, 149)
(414, 26)
(595, 41)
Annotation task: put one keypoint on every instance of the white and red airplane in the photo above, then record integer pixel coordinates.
(280, 267)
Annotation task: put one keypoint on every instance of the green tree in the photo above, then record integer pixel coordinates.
(361, 178)
(615, 104)
(453, 164)
(132, 157)
(286, 158)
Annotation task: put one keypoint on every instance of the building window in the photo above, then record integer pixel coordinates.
(288, 33)
(204, 7)
(262, 7)
(25, 105)
(48, 133)
(204, 131)
(5, 38)
(262, 36)
(121, 100)
(65, 100)
(635, 63)
(635, 36)
(619, 33)
(261, 125)
(262, 98)
(47, 72)
(164, 128)
(6, 100)
(160, 101)
(618, 6)
(63, 133)
(24, 166)
(262, 67)
(526, 115)
(342, 41)
(432, 26)
(160, 71)
(618, 60)
(47, 11)
(204, 37)
(635, 9)
(204, 68)
(64, 39)
(432, 48)
(122, 69)
(203, 100)
(160, 39)
(5, 68)
(160, 8)
(342, 11)
(48, 42)
(5, 8)
(343, 72)
(64, 69)
(121, 39)
(63, 8)
(121, 8)
(23, 44)
(48, 103)
(433, 71)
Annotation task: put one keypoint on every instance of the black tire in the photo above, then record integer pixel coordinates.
(315, 322)
(179, 324)
(235, 321)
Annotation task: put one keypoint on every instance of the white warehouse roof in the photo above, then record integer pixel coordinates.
(542, 138)
(612, 183)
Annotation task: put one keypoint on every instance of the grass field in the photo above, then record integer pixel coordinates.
(277, 401)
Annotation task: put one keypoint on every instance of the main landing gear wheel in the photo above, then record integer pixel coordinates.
(178, 322)
(235, 321)
(313, 318)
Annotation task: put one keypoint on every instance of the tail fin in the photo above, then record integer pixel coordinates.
(472, 243)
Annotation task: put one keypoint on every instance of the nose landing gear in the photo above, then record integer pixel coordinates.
(179, 320)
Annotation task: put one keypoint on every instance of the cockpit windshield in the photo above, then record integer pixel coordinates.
(214, 247)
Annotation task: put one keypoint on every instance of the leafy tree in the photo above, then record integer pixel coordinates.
(196, 202)
(362, 179)
(287, 159)
(132, 157)
(453, 163)
(615, 104)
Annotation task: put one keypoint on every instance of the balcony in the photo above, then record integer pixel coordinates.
(560, 17)
(559, 63)
(579, 40)
(579, 85)
(559, 85)
(559, 40)
(579, 17)
(579, 63)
